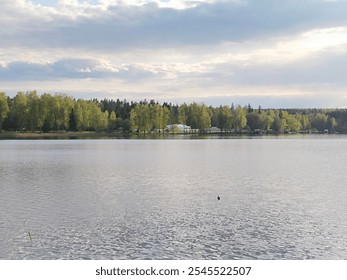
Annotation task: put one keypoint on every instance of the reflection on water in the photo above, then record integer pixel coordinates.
(157, 199)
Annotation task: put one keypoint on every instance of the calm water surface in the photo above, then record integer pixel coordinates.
(281, 198)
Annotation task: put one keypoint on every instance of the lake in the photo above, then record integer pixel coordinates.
(281, 198)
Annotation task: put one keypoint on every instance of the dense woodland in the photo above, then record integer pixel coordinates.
(32, 112)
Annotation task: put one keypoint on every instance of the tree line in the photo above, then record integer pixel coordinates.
(29, 111)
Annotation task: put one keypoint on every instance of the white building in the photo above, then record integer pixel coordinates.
(181, 128)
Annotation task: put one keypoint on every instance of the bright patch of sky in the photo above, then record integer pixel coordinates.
(290, 53)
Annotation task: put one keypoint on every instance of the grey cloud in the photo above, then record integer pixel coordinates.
(122, 27)
(70, 69)
(132, 29)
(321, 69)
(22, 71)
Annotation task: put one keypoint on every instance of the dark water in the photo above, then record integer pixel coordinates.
(157, 199)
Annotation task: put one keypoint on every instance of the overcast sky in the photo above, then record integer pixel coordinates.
(273, 53)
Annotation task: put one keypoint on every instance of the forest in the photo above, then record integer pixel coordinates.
(31, 112)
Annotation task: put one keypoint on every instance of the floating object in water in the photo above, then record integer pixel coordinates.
(218, 197)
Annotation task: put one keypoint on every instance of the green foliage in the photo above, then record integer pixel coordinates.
(98, 119)
(46, 112)
(239, 118)
(320, 121)
(305, 122)
(224, 118)
(148, 117)
(197, 116)
(4, 108)
(255, 121)
(332, 124)
(183, 113)
(126, 125)
(161, 117)
(79, 112)
(20, 110)
(112, 121)
(35, 120)
(32, 112)
(141, 118)
(268, 118)
(294, 124)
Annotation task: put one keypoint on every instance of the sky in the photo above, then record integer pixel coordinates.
(272, 53)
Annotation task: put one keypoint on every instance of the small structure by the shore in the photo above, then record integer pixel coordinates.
(178, 128)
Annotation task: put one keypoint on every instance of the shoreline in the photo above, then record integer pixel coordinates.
(17, 135)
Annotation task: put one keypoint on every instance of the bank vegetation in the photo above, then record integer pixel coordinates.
(31, 112)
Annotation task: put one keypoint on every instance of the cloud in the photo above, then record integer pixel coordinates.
(74, 69)
(112, 25)
(205, 50)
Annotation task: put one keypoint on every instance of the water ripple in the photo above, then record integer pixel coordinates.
(157, 199)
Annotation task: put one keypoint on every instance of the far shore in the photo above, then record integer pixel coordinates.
(12, 135)
(25, 135)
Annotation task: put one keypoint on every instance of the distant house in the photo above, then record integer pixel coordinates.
(178, 128)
